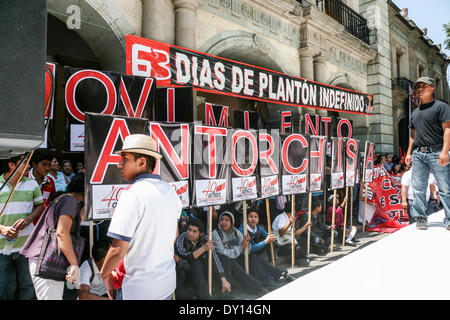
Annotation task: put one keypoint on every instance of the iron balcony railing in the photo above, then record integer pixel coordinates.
(402, 82)
(353, 22)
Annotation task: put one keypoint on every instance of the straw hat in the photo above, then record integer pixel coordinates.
(140, 143)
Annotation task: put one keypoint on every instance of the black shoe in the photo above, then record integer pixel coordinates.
(421, 224)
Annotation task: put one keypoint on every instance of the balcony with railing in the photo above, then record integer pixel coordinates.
(402, 82)
(353, 22)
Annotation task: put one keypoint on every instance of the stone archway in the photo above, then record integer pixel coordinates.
(250, 48)
(103, 28)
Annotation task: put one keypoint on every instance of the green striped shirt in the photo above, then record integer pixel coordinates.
(26, 195)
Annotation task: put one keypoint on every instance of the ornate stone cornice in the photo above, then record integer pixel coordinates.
(281, 26)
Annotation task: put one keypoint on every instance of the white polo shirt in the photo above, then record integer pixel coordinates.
(407, 181)
(146, 216)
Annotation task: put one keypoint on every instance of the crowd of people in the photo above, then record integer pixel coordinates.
(153, 249)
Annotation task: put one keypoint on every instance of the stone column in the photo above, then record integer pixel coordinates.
(320, 75)
(185, 23)
(152, 26)
(306, 63)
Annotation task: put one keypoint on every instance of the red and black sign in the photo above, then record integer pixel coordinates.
(246, 120)
(286, 122)
(295, 163)
(244, 164)
(317, 160)
(351, 161)
(87, 90)
(368, 162)
(176, 66)
(50, 95)
(174, 104)
(104, 136)
(174, 143)
(337, 163)
(344, 128)
(311, 124)
(211, 165)
(216, 115)
(269, 162)
(137, 97)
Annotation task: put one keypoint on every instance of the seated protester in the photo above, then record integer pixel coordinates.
(191, 249)
(350, 231)
(282, 228)
(260, 267)
(320, 232)
(230, 245)
(91, 283)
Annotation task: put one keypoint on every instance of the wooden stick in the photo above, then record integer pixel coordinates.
(365, 202)
(210, 251)
(351, 206)
(333, 218)
(345, 217)
(245, 233)
(308, 247)
(91, 237)
(293, 231)
(269, 230)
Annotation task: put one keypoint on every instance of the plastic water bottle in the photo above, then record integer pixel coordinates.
(9, 245)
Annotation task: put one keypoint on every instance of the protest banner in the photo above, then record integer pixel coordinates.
(105, 135)
(269, 162)
(245, 119)
(176, 66)
(211, 169)
(286, 122)
(216, 115)
(295, 163)
(367, 175)
(173, 141)
(137, 97)
(174, 104)
(87, 90)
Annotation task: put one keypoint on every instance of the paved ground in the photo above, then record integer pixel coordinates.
(364, 239)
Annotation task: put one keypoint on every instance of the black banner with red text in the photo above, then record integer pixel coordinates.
(175, 66)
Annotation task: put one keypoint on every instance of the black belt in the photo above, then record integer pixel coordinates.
(428, 149)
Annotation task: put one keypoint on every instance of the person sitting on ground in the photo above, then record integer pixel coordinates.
(320, 232)
(230, 245)
(282, 228)
(339, 220)
(92, 286)
(260, 240)
(191, 250)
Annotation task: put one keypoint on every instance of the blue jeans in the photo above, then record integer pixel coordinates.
(14, 271)
(422, 163)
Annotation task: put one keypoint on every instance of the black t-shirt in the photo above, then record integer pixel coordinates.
(427, 123)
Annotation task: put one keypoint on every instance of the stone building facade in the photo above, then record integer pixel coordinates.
(345, 43)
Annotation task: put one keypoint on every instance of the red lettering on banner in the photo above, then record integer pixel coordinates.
(309, 124)
(267, 155)
(285, 158)
(210, 119)
(339, 155)
(339, 128)
(211, 132)
(71, 88)
(163, 142)
(242, 134)
(107, 157)
(145, 93)
(284, 124)
(170, 104)
(326, 121)
(351, 153)
(246, 120)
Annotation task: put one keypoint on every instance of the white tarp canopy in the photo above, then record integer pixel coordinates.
(408, 264)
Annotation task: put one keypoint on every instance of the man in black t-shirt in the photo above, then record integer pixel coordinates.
(429, 147)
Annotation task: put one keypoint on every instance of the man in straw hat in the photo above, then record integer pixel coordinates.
(144, 226)
(429, 147)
